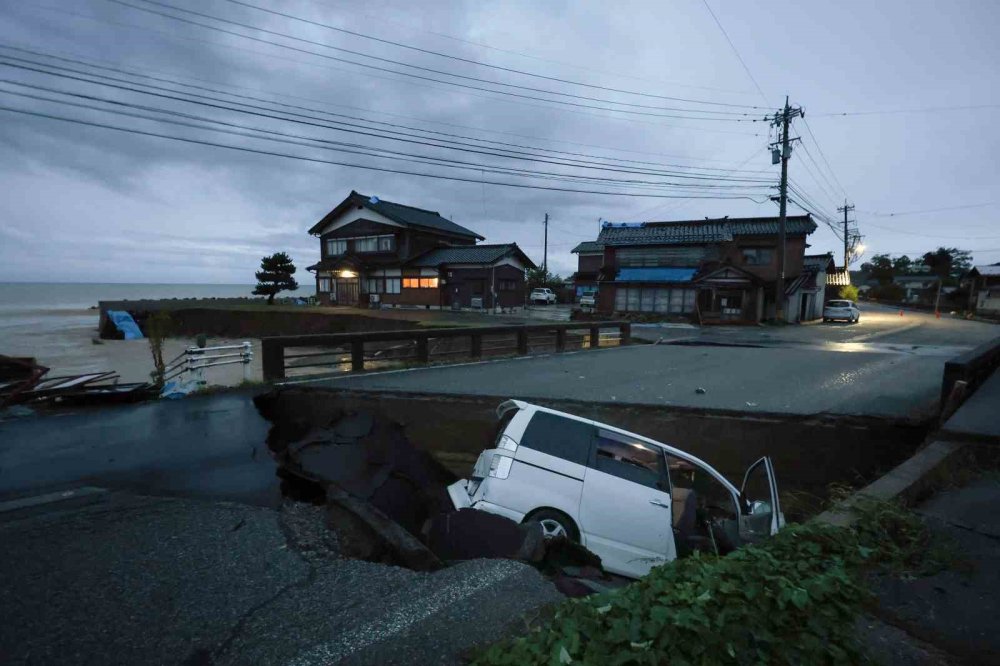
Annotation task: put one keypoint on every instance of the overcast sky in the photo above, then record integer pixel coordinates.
(82, 203)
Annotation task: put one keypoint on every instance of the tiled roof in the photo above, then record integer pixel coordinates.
(993, 269)
(588, 247)
(819, 262)
(470, 254)
(702, 231)
(405, 215)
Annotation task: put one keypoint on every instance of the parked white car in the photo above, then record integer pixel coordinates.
(588, 300)
(633, 501)
(542, 295)
(845, 310)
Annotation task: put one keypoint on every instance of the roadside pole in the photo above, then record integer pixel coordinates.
(783, 119)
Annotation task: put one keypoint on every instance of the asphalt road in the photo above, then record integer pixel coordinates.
(204, 446)
(886, 365)
(120, 579)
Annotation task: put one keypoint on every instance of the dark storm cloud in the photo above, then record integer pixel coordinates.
(160, 210)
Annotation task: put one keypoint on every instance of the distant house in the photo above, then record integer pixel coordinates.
(376, 252)
(819, 271)
(918, 288)
(590, 256)
(709, 270)
(984, 284)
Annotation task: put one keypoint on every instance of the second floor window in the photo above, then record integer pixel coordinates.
(368, 244)
(336, 246)
(758, 256)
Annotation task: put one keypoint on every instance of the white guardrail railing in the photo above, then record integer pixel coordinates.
(187, 369)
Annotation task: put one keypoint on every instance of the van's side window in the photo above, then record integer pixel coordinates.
(559, 436)
(631, 460)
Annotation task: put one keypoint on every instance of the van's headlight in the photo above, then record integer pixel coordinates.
(507, 443)
(500, 466)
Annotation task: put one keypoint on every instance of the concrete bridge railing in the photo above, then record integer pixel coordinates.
(275, 360)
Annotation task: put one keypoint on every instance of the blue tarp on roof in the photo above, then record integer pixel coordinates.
(655, 274)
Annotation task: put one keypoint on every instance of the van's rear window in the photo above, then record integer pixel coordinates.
(559, 436)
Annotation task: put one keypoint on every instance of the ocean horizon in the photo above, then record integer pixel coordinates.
(46, 296)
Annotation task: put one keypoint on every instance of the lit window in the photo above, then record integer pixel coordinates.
(420, 283)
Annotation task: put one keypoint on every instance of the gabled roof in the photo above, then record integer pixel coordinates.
(471, 254)
(688, 232)
(588, 247)
(992, 269)
(819, 262)
(408, 216)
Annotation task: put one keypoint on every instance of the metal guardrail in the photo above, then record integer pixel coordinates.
(195, 360)
(274, 358)
(972, 367)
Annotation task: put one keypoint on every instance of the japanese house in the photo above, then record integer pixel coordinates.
(711, 270)
(984, 289)
(590, 257)
(379, 253)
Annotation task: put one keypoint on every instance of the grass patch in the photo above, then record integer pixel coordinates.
(792, 599)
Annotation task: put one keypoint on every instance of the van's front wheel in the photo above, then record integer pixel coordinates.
(555, 524)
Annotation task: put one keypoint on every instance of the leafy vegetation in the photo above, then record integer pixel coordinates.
(275, 275)
(791, 600)
(848, 292)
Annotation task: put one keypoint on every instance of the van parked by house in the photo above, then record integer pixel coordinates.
(631, 500)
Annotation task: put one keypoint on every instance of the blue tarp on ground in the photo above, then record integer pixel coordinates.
(655, 274)
(123, 322)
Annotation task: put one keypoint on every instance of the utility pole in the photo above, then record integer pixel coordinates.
(845, 209)
(545, 256)
(783, 119)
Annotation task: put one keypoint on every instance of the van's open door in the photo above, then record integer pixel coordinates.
(759, 502)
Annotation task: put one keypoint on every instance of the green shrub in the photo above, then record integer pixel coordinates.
(792, 599)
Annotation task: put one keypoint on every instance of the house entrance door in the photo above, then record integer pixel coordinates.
(347, 291)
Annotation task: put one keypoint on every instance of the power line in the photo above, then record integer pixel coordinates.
(134, 73)
(385, 19)
(934, 210)
(470, 60)
(735, 50)
(352, 165)
(174, 36)
(827, 163)
(329, 145)
(404, 64)
(926, 109)
(341, 126)
(914, 233)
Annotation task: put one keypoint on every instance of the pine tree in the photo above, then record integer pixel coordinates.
(275, 275)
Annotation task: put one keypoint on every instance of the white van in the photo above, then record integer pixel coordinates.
(633, 501)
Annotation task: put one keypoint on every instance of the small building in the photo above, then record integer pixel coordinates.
(809, 291)
(918, 288)
(711, 270)
(379, 253)
(984, 286)
(590, 256)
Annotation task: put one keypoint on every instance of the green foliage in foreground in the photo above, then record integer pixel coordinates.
(790, 600)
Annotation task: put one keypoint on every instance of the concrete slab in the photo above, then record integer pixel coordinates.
(955, 609)
(978, 418)
(746, 379)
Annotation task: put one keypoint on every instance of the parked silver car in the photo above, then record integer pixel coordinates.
(844, 310)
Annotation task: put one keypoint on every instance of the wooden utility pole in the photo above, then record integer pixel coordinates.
(845, 209)
(784, 120)
(545, 255)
